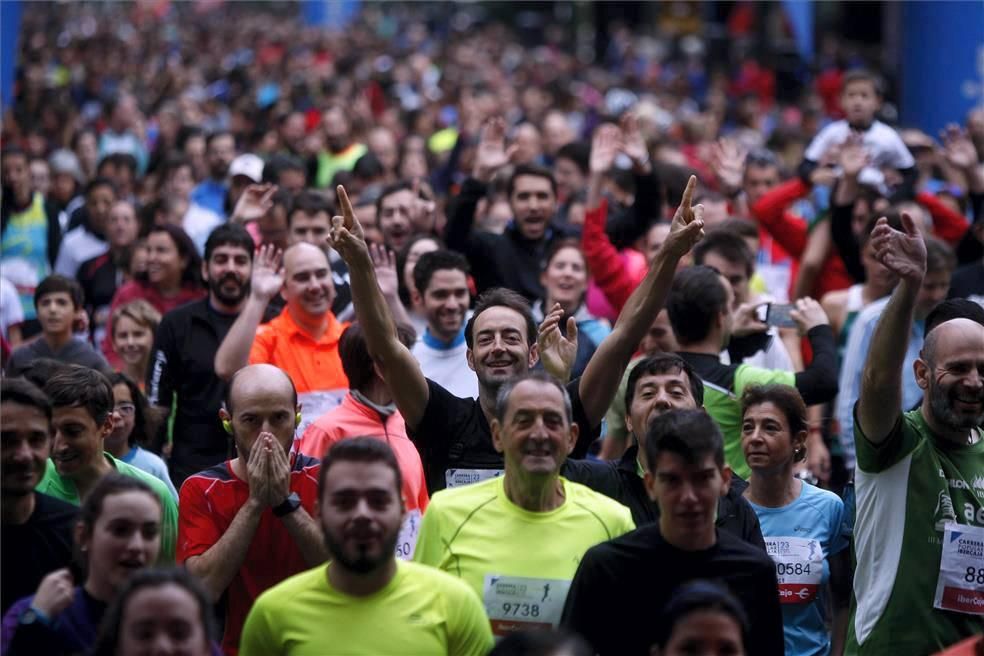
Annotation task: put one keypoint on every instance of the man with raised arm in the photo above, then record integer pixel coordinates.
(454, 435)
(920, 474)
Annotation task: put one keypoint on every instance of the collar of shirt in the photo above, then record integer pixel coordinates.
(333, 329)
(430, 340)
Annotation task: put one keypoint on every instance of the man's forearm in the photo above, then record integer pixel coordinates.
(604, 371)
(233, 353)
(307, 536)
(880, 400)
(218, 566)
(371, 308)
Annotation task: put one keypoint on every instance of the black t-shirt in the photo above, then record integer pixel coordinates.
(968, 281)
(36, 548)
(622, 585)
(620, 480)
(453, 434)
(182, 365)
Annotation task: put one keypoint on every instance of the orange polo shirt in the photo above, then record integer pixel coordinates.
(314, 366)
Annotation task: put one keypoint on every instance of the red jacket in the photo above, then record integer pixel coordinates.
(609, 268)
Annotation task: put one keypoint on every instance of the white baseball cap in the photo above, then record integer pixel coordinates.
(249, 165)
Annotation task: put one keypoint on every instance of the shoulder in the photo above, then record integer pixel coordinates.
(609, 512)
(155, 483)
(435, 580)
(464, 500)
(733, 548)
(282, 594)
(51, 509)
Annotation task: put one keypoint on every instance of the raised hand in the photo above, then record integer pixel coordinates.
(346, 235)
(808, 315)
(745, 320)
(687, 226)
(958, 148)
(254, 203)
(557, 353)
(728, 163)
(902, 253)
(492, 154)
(384, 261)
(853, 156)
(604, 148)
(55, 594)
(632, 143)
(268, 274)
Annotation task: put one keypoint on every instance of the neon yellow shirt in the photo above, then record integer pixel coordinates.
(421, 611)
(476, 533)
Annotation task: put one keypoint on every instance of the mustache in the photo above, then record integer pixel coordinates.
(230, 277)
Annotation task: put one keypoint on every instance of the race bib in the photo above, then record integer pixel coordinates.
(960, 587)
(799, 567)
(459, 477)
(514, 603)
(407, 541)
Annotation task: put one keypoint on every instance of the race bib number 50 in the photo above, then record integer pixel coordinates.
(799, 567)
(516, 603)
(960, 586)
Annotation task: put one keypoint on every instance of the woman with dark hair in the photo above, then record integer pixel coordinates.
(162, 609)
(565, 280)
(172, 278)
(117, 534)
(803, 525)
(701, 618)
(135, 423)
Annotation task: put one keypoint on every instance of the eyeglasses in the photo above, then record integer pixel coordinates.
(126, 409)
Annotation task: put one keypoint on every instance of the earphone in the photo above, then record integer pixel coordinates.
(227, 425)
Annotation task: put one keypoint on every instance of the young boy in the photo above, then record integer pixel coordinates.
(861, 98)
(57, 301)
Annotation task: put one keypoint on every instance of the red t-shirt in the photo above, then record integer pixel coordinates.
(209, 502)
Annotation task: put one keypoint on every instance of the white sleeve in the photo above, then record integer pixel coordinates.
(827, 137)
(11, 312)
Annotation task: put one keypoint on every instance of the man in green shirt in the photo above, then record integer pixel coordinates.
(82, 417)
(365, 601)
(700, 309)
(920, 474)
(517, 539)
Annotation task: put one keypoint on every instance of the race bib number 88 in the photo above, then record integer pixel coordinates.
(960, 586)
(799, 567)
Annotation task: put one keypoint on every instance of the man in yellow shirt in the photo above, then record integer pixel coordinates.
(365, 601)
(517, 539)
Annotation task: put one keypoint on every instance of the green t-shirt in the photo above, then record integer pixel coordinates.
(908, 488)
(421, 611)
(477, 534)
(331, 163)
(724, 407)
(61, 487)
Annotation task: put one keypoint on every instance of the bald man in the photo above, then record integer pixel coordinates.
(303, 339)
(920, 474)
(246, 524)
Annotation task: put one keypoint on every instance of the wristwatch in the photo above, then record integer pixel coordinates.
(288, 505)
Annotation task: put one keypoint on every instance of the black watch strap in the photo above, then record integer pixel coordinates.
(288, 505)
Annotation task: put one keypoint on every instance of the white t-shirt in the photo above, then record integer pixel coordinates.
(883, 144)
(11, 312)
(78, 246)
(447, 365)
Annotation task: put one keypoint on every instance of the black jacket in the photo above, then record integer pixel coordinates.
(620, 481)
(506, 260)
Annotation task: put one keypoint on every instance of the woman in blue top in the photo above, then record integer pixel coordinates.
(136, 424)
(803, 526)
(565, 281)
(118, 533)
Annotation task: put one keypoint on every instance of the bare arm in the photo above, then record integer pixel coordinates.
(384, 261)
(392, 357)
(218, 566)
(880, 400)
(266, 281)
(601, 377)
